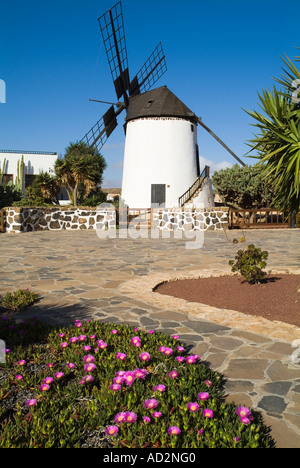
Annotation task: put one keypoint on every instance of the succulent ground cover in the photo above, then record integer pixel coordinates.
(104, 385)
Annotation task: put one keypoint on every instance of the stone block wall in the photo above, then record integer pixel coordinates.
(18, 219)
(53, 219)
(198, 219)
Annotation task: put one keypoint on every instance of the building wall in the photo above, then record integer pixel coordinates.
(158, 151)
(34, 163)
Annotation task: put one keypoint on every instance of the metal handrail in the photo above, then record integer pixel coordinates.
(196, 185)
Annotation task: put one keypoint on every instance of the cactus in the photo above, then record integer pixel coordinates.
(2, 172)
(20, 175)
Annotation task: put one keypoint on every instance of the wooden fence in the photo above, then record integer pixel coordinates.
(2, 221)
(264, 218)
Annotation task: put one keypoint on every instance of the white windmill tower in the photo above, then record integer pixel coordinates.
(161, 158)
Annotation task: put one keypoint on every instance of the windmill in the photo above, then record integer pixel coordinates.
(161, 158)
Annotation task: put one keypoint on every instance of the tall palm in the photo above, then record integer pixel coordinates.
(82, 166)
(278, 143)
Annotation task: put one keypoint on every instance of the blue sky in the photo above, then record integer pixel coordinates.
(219, 55)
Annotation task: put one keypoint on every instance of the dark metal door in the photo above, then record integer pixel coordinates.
(158, 194)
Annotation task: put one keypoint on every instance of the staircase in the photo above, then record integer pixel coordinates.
(195, 189)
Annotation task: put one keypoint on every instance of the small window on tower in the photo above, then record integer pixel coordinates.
(149, 104)
(192, 128)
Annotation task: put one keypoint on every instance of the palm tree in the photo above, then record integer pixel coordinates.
(278, 143)
(81, 169)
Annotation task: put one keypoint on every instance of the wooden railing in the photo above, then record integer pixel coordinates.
(141, 217)
(2, 221)
(196, 186)
(259, 219)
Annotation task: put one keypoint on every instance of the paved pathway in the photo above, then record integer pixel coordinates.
(82, 276)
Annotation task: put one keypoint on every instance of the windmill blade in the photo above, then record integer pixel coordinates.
(220, 141)
(113, 34)
(100, 132)
(150, 72)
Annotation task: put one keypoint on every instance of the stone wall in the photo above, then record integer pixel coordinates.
(53, 219)
(198, 219)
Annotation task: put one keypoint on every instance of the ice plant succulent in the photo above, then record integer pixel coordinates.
(144, 356)
(151, 403)
(174, 430)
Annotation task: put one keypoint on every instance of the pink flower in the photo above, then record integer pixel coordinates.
(193, 407)
(175, 337)
(136, 341)
(207, 413)
(89, 367)
(120, 417)
(86, 348)
(31, 403)
(58, 375)
(174, 430)
(121, 356)
(114, 332)
(156, 414)
(245, 420)
(86, 379)
(130, 417)
(168, 351)
(88, 359)
(203, 396)
(180, 348)
(129, 378)
(208, 383)
(243, 411)
(73, 339)
(111, 430)
(162, 349)
(118, 380)
(173, 374)
(50, 365)
(140, 373)
(115, 387)
(102, 345)
(22, 362)
(145, 356)
(61, 335)
(19, 377)
(81, 338)
(180, 359)
(44, 387)
(151, 403)
(159, 388)
(78, 324)
(71, 365)
(190, 359)
(64, 345)
(48, 380)
(146, 419)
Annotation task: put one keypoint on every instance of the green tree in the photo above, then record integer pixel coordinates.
(81, 170)
(278, 141)
(243, 187)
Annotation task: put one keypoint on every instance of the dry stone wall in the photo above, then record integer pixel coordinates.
(53, 219)
(57, 219)
(198, 219)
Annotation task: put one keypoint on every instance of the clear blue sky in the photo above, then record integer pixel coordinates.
(219, 55)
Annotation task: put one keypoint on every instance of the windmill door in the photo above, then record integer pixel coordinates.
(158, 194)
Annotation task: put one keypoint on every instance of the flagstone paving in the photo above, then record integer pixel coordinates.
(81, 276)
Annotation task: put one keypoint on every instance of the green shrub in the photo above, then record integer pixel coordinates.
(18, 300)
(250, 263)
(60, 394)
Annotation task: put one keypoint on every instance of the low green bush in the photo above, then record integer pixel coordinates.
(250, 264)
(105, 385)
(18, 300)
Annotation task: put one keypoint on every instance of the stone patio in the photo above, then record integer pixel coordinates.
(82, 276)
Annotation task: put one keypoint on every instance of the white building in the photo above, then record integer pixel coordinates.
(34, 162)
(161, 159)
